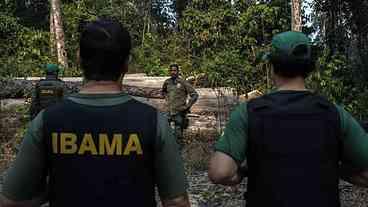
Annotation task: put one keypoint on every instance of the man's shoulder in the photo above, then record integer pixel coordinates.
(167, 80)
(142, 104)
(51, 81)
(241, 111)
(182, 80)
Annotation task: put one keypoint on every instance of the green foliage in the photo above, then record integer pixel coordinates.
(220, 39)
(23, 50)
(156, 54)
(148, 58)
(226, 41)
(326, 81)
(333, 79)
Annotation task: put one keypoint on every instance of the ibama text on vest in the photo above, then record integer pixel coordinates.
(66, 143)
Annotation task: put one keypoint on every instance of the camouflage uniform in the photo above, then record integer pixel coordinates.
(176, 92)
(47, 92)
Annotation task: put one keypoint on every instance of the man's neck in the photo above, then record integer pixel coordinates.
(101, 87)
(291, 84)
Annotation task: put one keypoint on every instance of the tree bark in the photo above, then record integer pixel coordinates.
(359, 9)
(296, 15)
(59, 33)
(146, 20)
(52, 36)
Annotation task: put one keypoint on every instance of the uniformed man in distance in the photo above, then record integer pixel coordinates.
(297, 144)
(176, 92)
(48, 91)
(99, 147)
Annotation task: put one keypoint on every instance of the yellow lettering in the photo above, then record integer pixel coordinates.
(87, 145)
(54, 143)
(133, 145)
(114, 147)
(68, 143)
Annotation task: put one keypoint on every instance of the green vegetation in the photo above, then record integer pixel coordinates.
(221, 39)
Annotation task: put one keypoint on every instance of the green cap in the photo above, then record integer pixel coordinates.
(290, 47)
(52, 68)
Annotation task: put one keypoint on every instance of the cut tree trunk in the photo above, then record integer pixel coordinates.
(59, 33)
(19, 88)
(207, 104)
(52, 36)
(296, 15)
(207, 116)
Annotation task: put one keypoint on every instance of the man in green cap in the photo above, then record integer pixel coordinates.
(99, 147)
(47, 91)
(297, 144)
(176, 92)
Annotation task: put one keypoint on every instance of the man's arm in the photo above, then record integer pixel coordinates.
(25, 180)
(354, 176)
(171, 181)
(181, 201)
(65, 89)
(164, 90)
(5, 202)
(193, 95)
(355, 150)
(224, 167)
(33, 109)
(223, 170)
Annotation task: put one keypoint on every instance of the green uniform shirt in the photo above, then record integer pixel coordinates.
(354, 139)
(176, 93)
(26, 177)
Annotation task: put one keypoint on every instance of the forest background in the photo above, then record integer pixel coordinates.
(218, 40)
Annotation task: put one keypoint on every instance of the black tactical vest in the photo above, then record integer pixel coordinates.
(101, 156)
(49, 92)
(293, 151)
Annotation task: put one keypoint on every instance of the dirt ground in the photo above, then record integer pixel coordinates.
(12, 124)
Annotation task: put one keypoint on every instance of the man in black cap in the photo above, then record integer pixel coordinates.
(99, 147)
(297, 144)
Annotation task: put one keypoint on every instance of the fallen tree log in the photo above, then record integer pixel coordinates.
(18, 88)
(209, 102)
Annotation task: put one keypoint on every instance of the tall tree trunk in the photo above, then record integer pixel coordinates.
(180, 6)
(52, 36)
(359, 9)
(296, 15)
(59, 33)
(146, 20)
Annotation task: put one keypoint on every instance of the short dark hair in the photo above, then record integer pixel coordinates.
(104, 47)
(289, 70)
(293, 68)
(175, 66)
